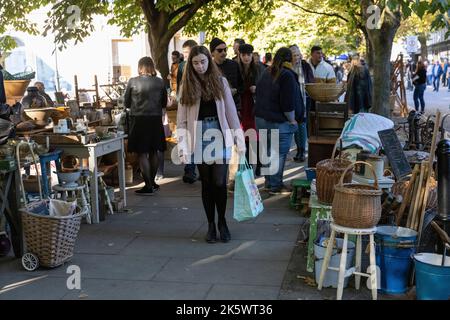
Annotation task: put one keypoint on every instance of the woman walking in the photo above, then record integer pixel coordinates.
(420, 85)
(251, 71)
(279, 105)
(146, 96)
(207, 108)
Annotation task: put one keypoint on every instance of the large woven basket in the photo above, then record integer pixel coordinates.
(329, 172)
(51, 239)
(325, 92)
(16, 88)
(357, 205)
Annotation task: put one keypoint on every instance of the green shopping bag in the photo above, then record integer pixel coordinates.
(247, 200)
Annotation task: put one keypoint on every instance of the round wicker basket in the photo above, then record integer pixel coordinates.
(357, 205)
(325, 92)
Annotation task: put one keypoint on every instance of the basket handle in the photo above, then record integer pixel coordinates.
(341, 181)
(27, 143)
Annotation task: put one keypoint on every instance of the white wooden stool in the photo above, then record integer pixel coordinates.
(75, 193)
(356, 270)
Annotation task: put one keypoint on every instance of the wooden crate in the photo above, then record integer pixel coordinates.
(320, 148)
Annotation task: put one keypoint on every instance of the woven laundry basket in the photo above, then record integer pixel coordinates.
(357, 205)
(328, 172)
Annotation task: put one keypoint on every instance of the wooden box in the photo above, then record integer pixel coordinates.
(320, 148)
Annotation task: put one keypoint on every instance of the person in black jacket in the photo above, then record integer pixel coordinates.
(2, 85)
(420, 84)
(359, 87)
(279, 106)
(229, 68)
(305, 75)
(146, 96)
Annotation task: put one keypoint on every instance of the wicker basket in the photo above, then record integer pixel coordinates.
(51, 239)
(329, 172)
(16, 88)
(357, 205)
(325, 92)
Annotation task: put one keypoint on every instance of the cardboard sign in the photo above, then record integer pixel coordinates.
(393, 149)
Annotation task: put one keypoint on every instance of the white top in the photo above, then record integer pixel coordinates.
(323, 70)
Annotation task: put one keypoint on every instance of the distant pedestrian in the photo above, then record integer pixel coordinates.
(268, 59)
(444, 74)
(420, 85)
(429, 72)
(237, 43)
(437, 73)
(189, 169)
(359, 87)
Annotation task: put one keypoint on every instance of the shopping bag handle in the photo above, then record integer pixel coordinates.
(243, 163)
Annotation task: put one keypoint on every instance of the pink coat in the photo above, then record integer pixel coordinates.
(229, 123)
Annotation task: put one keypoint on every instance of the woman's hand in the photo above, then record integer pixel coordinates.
(253, 89)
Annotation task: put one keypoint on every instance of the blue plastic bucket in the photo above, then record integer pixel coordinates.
(394, 249)
(432, 279)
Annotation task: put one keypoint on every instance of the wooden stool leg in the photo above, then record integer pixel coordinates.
(373, 266)
(342, 268)
(326, 260)
(86, 206)
(358, 261)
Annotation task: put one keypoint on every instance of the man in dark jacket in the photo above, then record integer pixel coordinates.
(189, 169)
(229, 68)
(2, 85)
(305, 75)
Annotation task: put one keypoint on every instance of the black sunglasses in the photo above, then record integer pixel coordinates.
(221, 50)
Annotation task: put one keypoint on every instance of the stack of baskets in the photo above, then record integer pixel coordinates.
(329, 172)
(357, 205)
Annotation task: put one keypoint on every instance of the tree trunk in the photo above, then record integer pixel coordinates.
(423, 46)
(382, 46)
(159, 48)
(369, 50)
(381, 40)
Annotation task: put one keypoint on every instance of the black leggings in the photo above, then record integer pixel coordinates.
(214, 189)
(149, 165)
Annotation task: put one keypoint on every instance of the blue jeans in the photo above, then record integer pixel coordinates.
(436, 82)
(419, 90)
(274, 182)
(300, 136)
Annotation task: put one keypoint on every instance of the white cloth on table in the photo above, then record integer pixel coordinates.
(362, 130)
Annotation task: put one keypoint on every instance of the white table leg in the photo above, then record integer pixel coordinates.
(326, 260)
(121, 170)
(342, 268)
(94, 185)
(373, 266)
(358, 261)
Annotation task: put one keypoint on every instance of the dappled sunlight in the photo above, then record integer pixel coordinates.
(218, 257)
(20, 284)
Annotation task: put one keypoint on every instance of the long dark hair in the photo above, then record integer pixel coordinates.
(193, 87)
(420, 66)
(249, 75)
(282, 57)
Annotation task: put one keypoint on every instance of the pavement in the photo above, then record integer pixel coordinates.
(156, 251)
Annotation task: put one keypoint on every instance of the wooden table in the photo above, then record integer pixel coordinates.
(318, 212)
(92, 152)
(9, 205)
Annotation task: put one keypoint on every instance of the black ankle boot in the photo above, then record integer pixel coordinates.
(225, 235)
(300, 156)
(211, 236)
